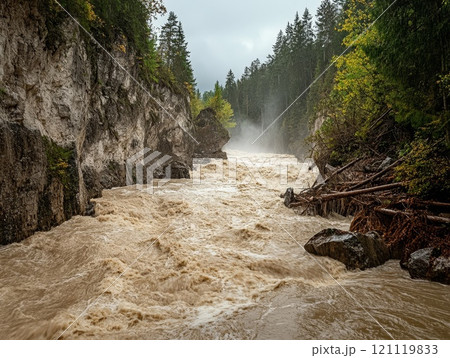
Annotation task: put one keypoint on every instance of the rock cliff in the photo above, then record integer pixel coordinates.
(70, 117)
(213, 136)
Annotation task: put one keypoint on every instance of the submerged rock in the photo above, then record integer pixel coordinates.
(356, 251)
(211, 135)
(174, 170)
(180, 171)
(428, 264)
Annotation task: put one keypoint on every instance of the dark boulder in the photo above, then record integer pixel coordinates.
(428, 264)
(440, 270)
(212, 136)
(175, 169)
(419, 263)
(356, 251)
(289, 197)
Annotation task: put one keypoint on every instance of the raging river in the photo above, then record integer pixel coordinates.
(207, 259)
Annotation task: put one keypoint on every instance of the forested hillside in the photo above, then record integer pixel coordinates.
(301, 52)
(368, 77)
(390, 92)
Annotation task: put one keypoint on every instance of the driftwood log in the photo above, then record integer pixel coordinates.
(376, 176)
(390, 212)
(347, 194)
(350, 198)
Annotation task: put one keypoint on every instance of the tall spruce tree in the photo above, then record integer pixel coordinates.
(174, 52)
(230, 90)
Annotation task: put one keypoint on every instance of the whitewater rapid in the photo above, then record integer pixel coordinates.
(215, 258)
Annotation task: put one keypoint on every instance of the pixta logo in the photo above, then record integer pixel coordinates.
(147, 160)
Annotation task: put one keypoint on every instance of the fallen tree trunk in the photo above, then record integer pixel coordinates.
(380, 119)
(437, 219)
(339, 171)
(347, 194)
(433, 204)
(372, 178)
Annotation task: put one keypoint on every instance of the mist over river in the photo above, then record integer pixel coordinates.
(211, 260)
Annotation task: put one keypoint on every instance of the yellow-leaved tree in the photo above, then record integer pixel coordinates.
(222, 107)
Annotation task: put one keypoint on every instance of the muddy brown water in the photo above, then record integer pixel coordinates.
(206, 261)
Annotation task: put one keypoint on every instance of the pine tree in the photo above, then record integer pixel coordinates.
(307, 26)
(326, 24)
(278, 47)
(230, 91)
(181, 67)
(167, 38)
(174, 52)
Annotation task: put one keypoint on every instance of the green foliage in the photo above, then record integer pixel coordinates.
(328, 40)
(117, 24)
(230, 92)
(357, 97)
(197, 105)
(412, 52)
(174, 53)
(222, 107)
(58, 160)
(425, 170)
(399, 64)
(213, 99)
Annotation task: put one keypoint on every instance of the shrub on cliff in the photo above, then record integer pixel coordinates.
(120, 23)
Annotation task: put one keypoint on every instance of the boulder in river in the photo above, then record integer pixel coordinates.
(211, 134)
(289, 197)
(355, 250)
(429, 264)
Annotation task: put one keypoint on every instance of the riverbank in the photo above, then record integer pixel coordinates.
(414, 230)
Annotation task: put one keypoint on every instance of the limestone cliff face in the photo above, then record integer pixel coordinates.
(69, 122)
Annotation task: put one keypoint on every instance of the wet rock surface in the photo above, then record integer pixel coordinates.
(37, 190)
(212, 136)
(429, 264)
(289, 197)
(356, 251)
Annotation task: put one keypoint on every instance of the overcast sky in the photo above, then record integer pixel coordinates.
(229, 34)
